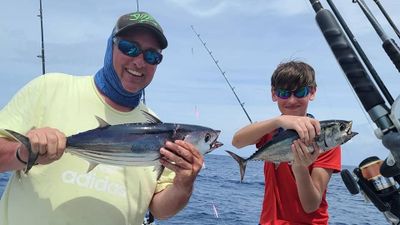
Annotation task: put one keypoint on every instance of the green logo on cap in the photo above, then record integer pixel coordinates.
(144, 18)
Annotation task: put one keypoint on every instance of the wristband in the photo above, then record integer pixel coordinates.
(19, 157)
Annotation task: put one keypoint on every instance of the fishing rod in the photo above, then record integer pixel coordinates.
(223, 73)
(355, 72)
(390, 46)
(387, 17)
(137, 5)
(42, 35)
(361, 53)
(144, 90)
(376, 177)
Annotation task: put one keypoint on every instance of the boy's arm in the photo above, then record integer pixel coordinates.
(252, 133)
(311, 188)
(306, 127)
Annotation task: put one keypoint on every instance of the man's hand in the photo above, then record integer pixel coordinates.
(49, 143)
(185, 160)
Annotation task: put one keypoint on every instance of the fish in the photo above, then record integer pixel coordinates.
(130, 144)
(278, 149)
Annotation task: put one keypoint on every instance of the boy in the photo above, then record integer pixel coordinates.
(295, 193)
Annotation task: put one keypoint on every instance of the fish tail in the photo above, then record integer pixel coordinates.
(242, 164)
(32, 157)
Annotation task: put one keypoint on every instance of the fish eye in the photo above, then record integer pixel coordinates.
(207, 137)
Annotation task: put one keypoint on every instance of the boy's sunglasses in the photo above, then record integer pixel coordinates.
(298, 93)
(133, 49)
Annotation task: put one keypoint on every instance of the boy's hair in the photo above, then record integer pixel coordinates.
(292, 75)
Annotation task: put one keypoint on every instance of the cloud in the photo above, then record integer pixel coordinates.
(204, 8)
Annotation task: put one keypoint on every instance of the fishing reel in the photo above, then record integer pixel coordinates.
(383, 192)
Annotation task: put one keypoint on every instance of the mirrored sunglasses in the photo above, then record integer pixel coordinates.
(298, 93)
(133, 49)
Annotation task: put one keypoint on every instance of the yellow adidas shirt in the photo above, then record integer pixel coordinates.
(63, 192)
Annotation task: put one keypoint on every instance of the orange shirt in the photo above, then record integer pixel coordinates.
(281, 203)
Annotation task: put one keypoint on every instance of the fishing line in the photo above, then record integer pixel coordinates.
(223, 73)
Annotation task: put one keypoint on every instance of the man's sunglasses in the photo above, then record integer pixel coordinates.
(133, 49)
(298, 93)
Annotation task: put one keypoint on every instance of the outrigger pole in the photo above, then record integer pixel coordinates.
(223, 74)
(41, 31)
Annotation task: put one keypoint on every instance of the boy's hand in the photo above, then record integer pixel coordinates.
(307, 128)
(302, 157)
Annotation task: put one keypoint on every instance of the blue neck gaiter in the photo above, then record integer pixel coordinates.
(109, 84)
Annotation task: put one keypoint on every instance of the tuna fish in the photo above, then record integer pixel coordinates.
(130, 144)
(277, 150)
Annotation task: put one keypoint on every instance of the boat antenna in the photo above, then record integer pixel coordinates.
(41, 31)
(222, 72)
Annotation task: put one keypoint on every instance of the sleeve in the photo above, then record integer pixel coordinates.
(21, 113)
(264, 140)
(165, 180)
(330, 160)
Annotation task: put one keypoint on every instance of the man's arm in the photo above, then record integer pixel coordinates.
(8, 159)
(184, 159)
(48, 142)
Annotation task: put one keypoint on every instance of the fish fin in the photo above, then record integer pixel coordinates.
(151, 118)
(160, 170)
(174, 132)
(32, 157)
(242, 164)
(102, 123)
(91, 166)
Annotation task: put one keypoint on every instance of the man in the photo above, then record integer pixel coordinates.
(58, 190)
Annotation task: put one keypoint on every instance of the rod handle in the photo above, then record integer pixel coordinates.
(393, 51)
(348, 60)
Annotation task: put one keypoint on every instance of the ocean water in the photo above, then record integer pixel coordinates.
(219, 197)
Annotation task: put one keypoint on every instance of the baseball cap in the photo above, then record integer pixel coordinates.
(141, 19)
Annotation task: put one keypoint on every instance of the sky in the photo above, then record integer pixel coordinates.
(248, 38)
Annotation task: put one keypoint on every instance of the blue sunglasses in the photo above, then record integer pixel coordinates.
(133, 49)
(298, 93)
